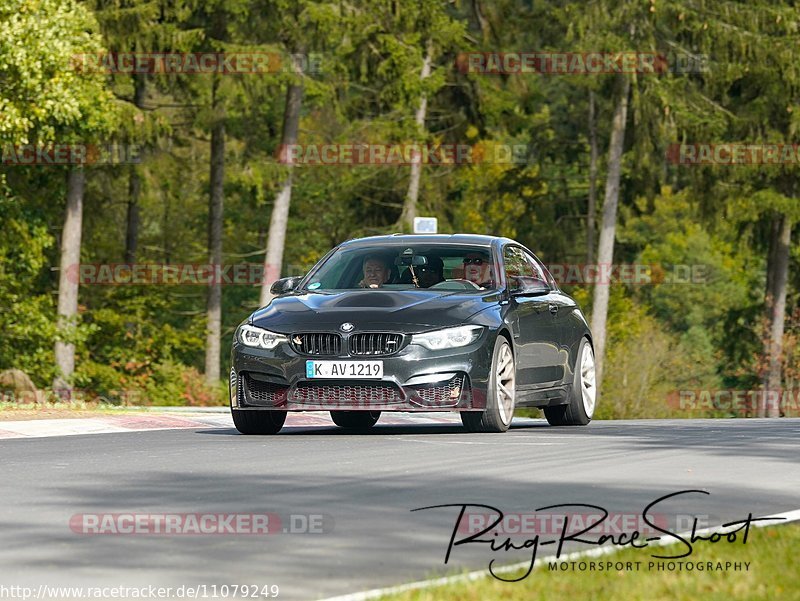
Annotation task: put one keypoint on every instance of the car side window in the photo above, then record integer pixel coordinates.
(517, 267)
(540, 271)
(550, 279)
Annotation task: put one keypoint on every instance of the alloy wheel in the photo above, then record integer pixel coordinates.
(588, 380)
(504, 384)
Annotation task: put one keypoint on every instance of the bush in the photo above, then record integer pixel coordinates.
(166, 383)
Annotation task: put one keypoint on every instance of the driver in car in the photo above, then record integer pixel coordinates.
(376, 272)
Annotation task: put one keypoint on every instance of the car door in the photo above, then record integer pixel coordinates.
(539, 364)
(561, 308)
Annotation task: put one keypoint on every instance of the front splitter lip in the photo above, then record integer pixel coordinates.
(412, 401)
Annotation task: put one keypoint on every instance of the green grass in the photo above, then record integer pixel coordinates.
(773, 574)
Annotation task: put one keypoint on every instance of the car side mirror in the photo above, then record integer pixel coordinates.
(284, 285)
(527, 286)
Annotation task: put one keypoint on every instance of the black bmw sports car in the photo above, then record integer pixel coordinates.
(474, 324)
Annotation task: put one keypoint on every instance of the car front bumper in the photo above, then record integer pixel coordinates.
(414, 379)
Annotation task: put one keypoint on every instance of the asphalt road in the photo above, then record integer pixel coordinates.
(365, 487)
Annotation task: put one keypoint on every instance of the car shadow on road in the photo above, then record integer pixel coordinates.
(377, 430)
(722, 437)
(744, 437)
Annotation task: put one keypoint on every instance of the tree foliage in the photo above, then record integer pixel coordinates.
(706, 332)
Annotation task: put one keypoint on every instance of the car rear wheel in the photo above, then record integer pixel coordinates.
(258, 422)
(583, 396)
(355, 420)
(500, 399)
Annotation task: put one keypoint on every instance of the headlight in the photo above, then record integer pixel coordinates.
(259, 337)
(449, 338)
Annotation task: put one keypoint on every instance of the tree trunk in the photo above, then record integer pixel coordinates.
(605, 251)
(215, 205)
(135, 182)
(591, 216)
(166, 219)
(412, 194)
(774, 236)
(132, 229)
(778, 275)
(276, 238)
(477, 10)
(68, 278)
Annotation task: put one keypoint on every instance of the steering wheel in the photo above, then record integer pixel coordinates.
(458, 284)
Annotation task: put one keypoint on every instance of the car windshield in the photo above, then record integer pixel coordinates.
(441, 267)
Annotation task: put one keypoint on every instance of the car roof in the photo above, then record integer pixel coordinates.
(433, 239)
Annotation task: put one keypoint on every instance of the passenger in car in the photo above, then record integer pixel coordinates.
(478, 269)
(427, 275)
(431, 273)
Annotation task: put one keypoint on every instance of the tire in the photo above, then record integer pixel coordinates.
(500, 397)
(355, 420)
(257, 421)
(582, 395)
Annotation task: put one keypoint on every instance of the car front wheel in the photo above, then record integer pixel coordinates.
(258, 422)
(500, 399)
(583, 396)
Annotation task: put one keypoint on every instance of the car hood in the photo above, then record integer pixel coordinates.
(405, 310)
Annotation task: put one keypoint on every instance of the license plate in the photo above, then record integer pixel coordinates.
(370, 370)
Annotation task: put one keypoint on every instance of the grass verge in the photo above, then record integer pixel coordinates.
(772, 573)
(12, 411)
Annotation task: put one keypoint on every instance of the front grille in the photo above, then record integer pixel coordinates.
(317, 343)
(443, 393)
(375, 343)
(262, 393)
(346, 394)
